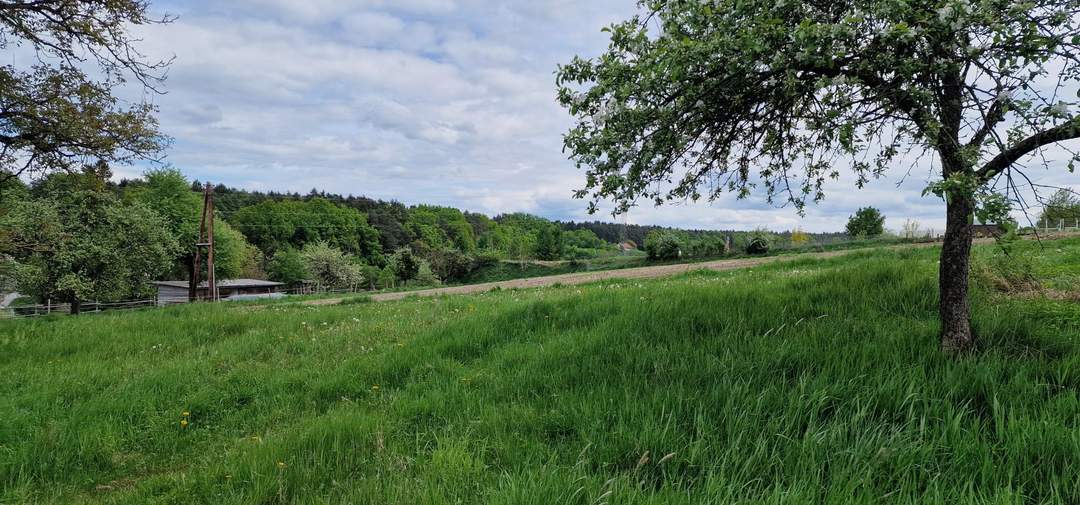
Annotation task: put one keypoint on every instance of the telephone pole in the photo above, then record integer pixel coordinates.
(206, 240)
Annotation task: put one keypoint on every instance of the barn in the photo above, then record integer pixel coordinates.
(177, 291)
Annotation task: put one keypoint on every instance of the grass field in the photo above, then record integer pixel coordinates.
(811, 381)
(509, 271)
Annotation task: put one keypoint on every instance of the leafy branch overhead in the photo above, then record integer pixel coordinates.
(696, 98)
(56, 117)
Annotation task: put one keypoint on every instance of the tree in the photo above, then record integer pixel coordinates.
(406, 265)
(867, 222)
(549, 243)
(662, 245)
(732, 95)
(86, 245)
(330, 267)
(450, 264)
(799, 237)
(53, 116)
(1063, 205)
(910, 229)
(287, 266)
(168, 193)
(583, 238)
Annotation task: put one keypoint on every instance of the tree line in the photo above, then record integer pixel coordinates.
(76, 237)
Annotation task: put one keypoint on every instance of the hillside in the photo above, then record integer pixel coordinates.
(812, 380)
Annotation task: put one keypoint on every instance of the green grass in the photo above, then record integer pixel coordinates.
(510, 271)
(812, 381)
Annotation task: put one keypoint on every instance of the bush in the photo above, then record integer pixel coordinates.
(662, 245)
(758, 243)
(450, 264)
(485, 260)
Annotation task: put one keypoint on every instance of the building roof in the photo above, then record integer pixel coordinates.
(225, 283)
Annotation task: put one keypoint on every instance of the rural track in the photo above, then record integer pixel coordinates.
(650, 272)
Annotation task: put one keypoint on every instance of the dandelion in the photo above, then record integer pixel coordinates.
(375, 387)
(186, 414)
(183, 423)
(281, 464)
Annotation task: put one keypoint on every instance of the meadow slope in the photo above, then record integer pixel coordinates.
(807, 381)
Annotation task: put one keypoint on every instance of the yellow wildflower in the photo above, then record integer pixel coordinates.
(183, 423)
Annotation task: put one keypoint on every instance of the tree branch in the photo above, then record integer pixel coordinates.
(1065, 131)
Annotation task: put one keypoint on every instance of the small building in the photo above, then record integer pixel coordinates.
(177, 291)
(987, 230)
(627, 246)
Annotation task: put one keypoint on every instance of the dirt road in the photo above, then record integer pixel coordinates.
(624, 273)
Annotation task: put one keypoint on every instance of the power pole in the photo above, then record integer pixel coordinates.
(206, 239)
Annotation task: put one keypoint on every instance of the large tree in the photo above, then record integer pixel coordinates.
(694, 98)
(55, 116)
(75, 241)
(169, 194)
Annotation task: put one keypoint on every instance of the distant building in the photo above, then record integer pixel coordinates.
(987, 230)
(177, 291)
(627, 246)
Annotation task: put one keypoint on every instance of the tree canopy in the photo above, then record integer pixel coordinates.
(273, 225)
(693, 99)
(83, 243)
(1062, 206)
(867, 222)
(53, 115)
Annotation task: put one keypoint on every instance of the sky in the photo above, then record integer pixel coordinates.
(448, 102)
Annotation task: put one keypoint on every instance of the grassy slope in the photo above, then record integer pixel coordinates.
(809, 381)
(508, 271)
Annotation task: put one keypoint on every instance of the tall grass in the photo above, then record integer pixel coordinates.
(807, 382)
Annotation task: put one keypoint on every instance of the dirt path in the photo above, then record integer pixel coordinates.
(624, 273)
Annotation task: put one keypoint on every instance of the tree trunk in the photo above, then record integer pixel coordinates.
(75, 306)
(954, 308)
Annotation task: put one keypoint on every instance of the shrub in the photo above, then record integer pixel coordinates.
(758, 243)
(662, 245)
(799, 237)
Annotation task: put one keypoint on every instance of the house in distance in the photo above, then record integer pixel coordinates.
(169, 292)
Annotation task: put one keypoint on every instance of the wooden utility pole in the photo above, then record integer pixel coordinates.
(206, 239)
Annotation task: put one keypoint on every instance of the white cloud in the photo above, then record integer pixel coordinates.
(437, 101)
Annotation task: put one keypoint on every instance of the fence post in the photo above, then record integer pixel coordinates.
(48, 306)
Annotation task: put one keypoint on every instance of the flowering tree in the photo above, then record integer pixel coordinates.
(694, 98)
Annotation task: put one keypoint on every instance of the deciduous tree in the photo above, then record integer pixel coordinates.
(867, 222)
(695, 98)
(53, 115)
(86, 245)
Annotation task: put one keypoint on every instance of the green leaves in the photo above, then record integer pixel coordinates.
(744, 95)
